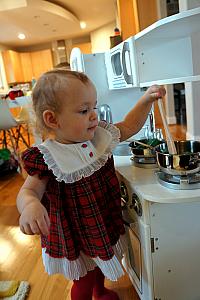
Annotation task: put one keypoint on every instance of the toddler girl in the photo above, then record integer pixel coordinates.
(71, 196)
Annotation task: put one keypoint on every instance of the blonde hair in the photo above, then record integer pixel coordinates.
(47, 93)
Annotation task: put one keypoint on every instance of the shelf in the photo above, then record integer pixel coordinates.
(170, 81)
(168, 51)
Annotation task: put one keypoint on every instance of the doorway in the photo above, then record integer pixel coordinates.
(179, 103)
(172, 7)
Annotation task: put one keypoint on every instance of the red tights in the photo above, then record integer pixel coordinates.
(92, 284)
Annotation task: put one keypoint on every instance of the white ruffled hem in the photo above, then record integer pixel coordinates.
(73, 270)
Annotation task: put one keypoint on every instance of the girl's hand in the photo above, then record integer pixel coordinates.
(154, 92)
(34, 219)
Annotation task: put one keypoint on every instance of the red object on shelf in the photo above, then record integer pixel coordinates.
(116, 38)
(13, 94)
(117, 32)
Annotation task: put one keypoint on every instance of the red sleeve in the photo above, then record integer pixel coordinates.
(33, 163)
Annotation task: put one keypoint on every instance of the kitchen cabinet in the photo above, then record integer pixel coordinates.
(26, 66)
(41, 62)
(13, 66)
(85, 48)
(135, 15)
(22, 67)
(147, 13)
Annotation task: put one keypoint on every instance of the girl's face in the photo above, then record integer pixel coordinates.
(78, 118)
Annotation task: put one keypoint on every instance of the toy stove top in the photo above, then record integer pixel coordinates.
(146, 162)
(144, 182)
(176, 182)
(179, 182)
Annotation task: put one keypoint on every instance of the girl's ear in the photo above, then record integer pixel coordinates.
(50, 119)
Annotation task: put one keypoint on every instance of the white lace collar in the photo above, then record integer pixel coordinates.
(71, 162)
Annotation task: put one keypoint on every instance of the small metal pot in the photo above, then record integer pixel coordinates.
(185, 162)
(142, 151)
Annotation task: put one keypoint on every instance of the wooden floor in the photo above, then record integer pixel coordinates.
(20, 255)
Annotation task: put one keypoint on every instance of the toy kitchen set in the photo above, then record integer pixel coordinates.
(160, 191)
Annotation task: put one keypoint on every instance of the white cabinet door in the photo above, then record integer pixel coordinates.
(176, 264)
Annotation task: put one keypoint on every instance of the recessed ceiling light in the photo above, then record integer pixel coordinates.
(21, 36)
(82, 25)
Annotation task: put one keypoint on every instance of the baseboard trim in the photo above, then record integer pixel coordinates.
(171, 120)
(190, 136)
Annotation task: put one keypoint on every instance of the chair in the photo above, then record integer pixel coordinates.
(11, 128)
(27, 120)
(23, 120)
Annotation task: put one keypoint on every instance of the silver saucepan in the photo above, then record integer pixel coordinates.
(185, 162)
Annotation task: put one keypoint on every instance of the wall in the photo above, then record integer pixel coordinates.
(33, 48)
(188, 4)
(2, 48)
(3, 82)
(100, 38)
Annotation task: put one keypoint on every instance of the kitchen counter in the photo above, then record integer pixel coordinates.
(145, 183)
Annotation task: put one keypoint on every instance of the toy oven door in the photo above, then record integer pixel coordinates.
(133, 257)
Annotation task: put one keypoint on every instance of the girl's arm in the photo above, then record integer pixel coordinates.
(135, 119)
(34, 218)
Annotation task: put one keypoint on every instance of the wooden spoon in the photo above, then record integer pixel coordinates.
(170, 143)
(143, 144)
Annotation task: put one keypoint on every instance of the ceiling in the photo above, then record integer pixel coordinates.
(43, 21)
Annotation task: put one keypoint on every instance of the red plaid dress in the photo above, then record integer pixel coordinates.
(85, 215)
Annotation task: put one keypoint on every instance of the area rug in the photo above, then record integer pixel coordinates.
(14, 290)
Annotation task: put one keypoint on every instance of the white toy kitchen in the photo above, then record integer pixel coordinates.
(161, 213)
(163, 259)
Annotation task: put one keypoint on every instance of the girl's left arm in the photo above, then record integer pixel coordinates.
(136, 118)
